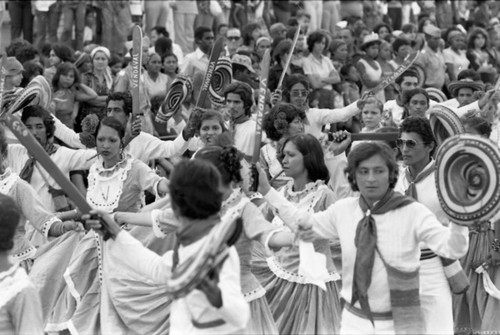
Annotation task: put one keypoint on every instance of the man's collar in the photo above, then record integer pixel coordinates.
(200, 54)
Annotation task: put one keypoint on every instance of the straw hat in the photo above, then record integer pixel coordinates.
(455, 86)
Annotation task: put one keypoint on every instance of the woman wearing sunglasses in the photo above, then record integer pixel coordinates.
(417, 180)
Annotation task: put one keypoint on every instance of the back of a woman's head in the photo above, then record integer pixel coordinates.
(10, 214)
(194, 189)
(163, 45)
(277, 120)
(64, 52)
(311, 150)
(227, 159)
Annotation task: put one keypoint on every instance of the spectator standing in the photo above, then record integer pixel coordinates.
(21, 20)
(315, 9)
(47, 15)
(331, 15)
(233, 40)
(197, 61)
(432, 59)
(116, 21)
(369, 69)
(320, 70)
(184, 16)
(73, 15)
(156, 15)
(155, 82)
(454, 56)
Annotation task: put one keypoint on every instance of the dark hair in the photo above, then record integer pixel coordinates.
(112, 122)
(278, 119)
(64, 52)
(399, 42)
(156, 102)
(10, 215)
(291, 81)
(408, 28)
(4, 145)
(122, 96)
(244, 91)
(345, 69)
(220, 26)
(247, 31)
(31, 70)
(315, 37)
(365, 151)
(468, 73)
(473, 35)
(381, 25)
(161, 31)
(200, 31)
(408, 73)
(314, 159)
(420, 126)
(411, 93)
(290, 32)
(283, 47)
(115, 59)
(163, 45)
(479, 124)
(226, 159)
(64, 69)
(39, 111)
(194, 189)
(211, 114)
(26, 53)
(13, 48)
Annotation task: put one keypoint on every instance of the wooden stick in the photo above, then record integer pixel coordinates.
(289, 59)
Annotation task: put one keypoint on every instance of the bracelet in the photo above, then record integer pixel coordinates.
(495, 245)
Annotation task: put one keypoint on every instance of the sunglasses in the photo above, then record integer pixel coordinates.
(410, 144)
(299, 93)
(233, 38)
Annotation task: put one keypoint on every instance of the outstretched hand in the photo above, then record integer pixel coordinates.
(340, 140)
(102, 222)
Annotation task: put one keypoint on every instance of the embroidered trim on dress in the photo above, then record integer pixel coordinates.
(12, 282)
(26, 254)
(46, 226)
(155, 217)
(294, 277)
(255, 294)
(113, 179)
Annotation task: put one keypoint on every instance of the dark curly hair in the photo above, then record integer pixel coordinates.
(226, 159)
(247, 31)
(122, 96)
(113, 123)
(39, 111)
(277, 121)
(11, 215)
(315, 37)
(244, 91)
(311, 150)
(367, 150)
(194, 189)
(420, 126)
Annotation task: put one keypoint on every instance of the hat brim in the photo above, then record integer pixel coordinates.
(369, 43)
(436, 94)
(455, 86)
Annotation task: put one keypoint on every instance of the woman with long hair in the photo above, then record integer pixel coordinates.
(298, 305)
(116, 183)
(477, 50)
(282, 121)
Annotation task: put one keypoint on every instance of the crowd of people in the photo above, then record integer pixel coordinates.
(339, 237)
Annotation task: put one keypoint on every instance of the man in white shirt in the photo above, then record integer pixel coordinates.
(404, 83)
(197, 61)
(379, 233)
(144, 146)
(239, 100)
